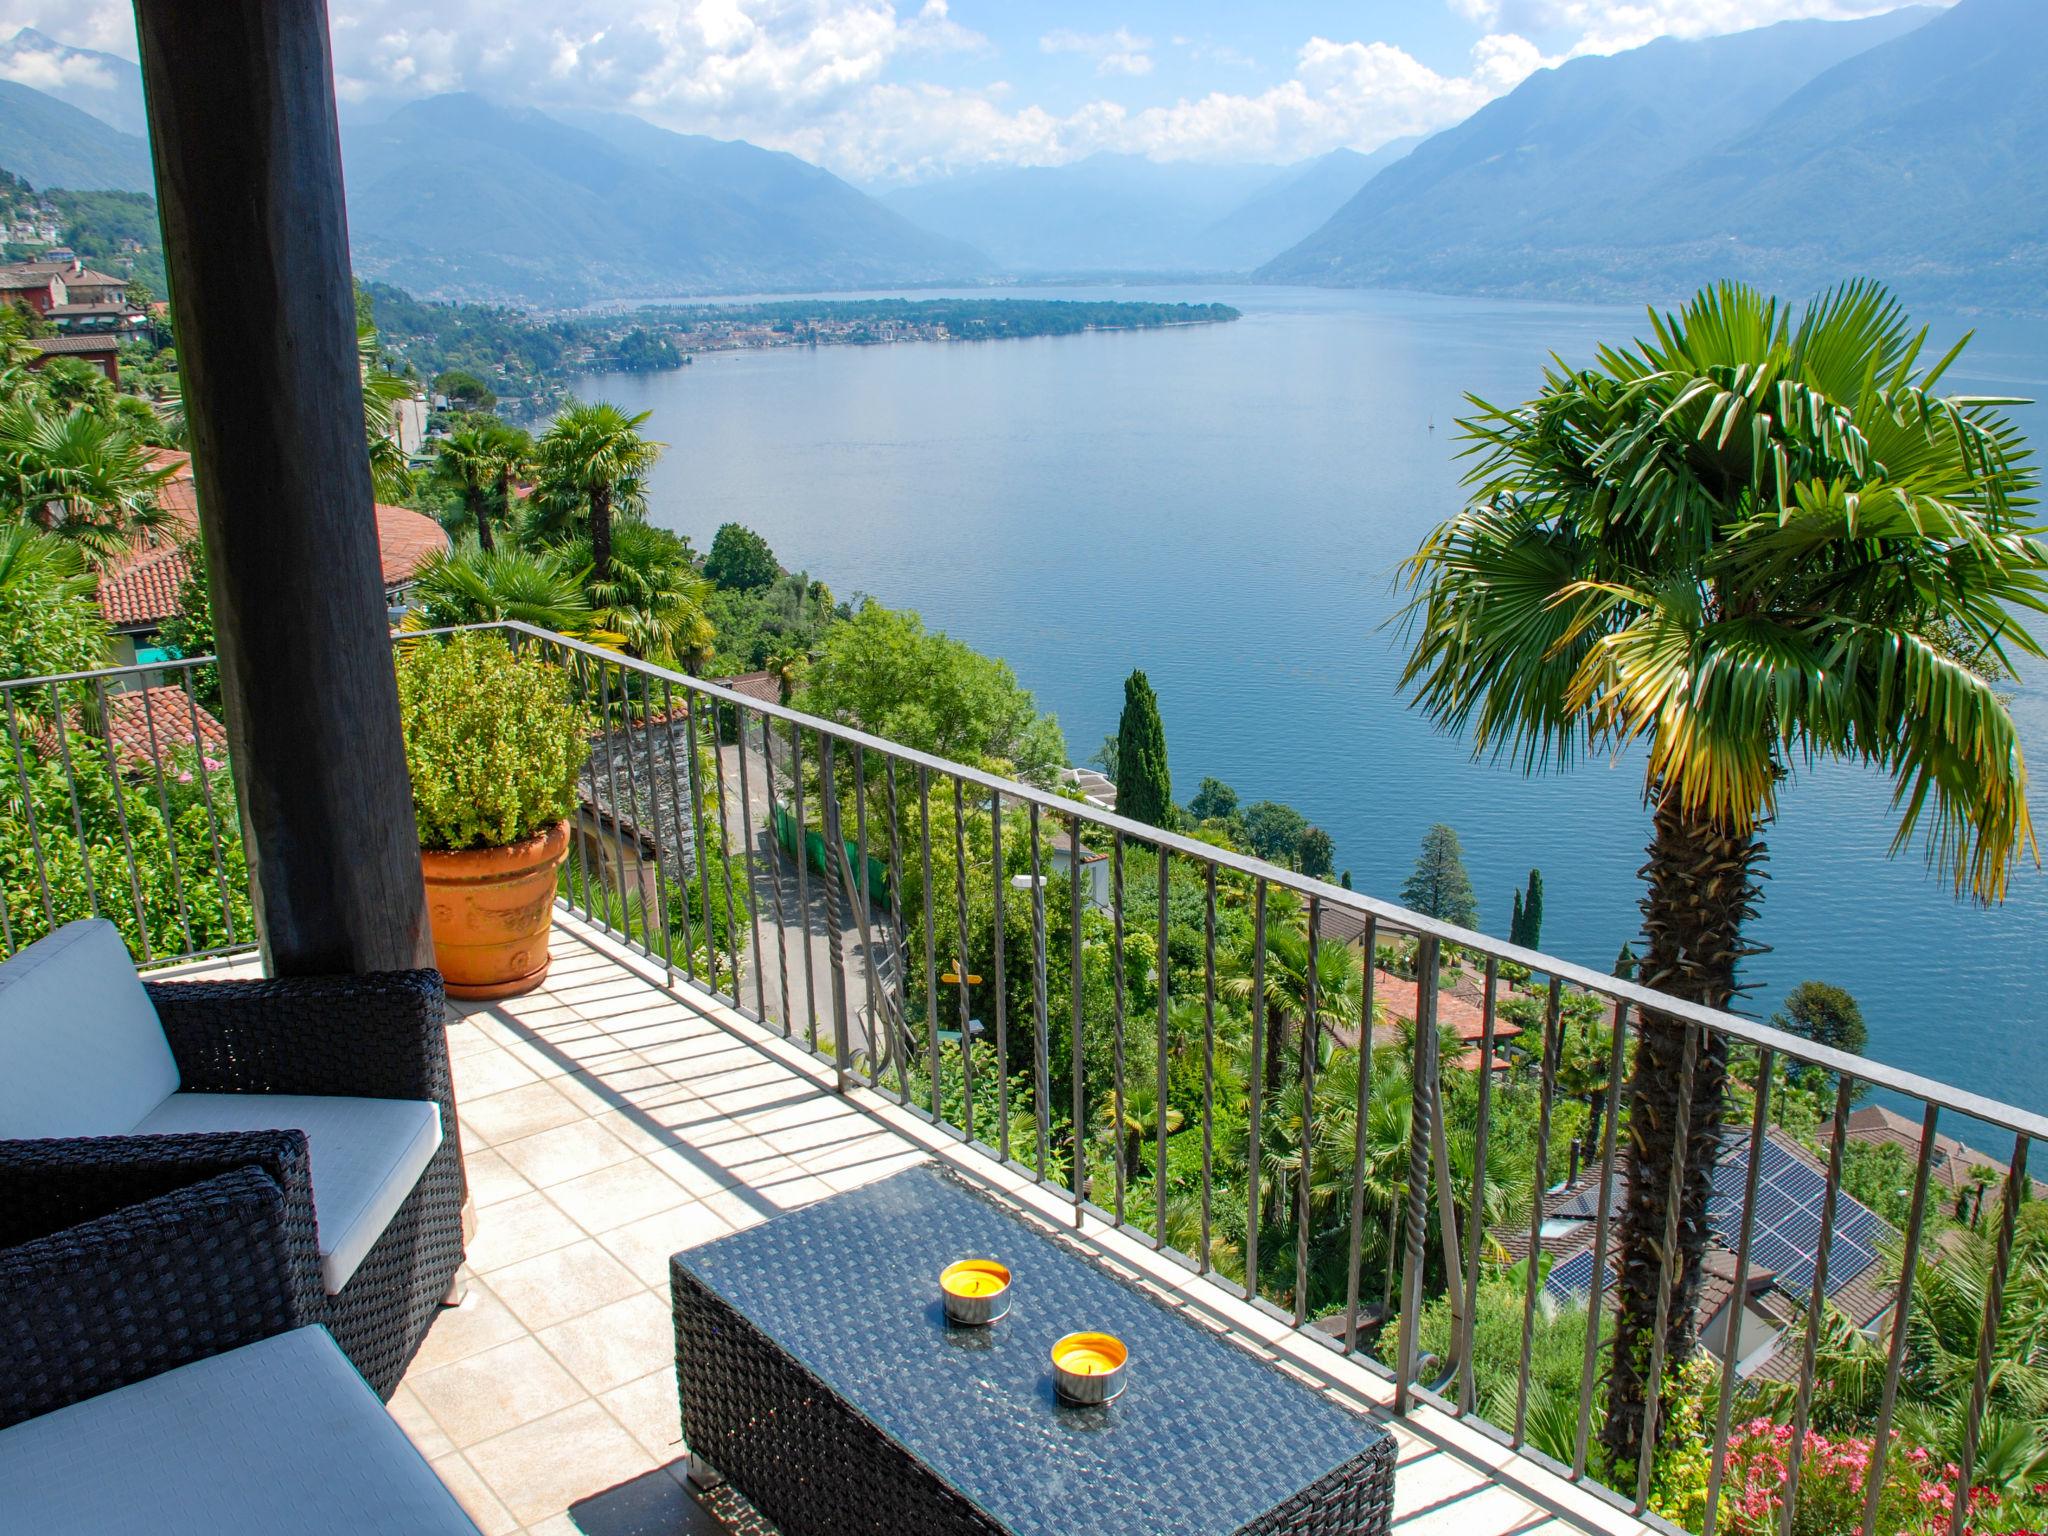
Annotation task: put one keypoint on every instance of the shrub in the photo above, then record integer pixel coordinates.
(492, 741)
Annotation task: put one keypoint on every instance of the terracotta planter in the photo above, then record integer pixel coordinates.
(491, 910)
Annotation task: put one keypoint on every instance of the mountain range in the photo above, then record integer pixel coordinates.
(1124, 213)
(1904, 146)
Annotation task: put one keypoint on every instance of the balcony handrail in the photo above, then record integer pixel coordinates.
(1750, 1032)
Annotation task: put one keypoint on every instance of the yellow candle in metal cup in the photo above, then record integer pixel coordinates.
(1089, 1362)
(1089, 1367)
(976, 1290)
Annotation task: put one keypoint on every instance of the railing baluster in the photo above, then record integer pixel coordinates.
(1208, 1058)
(163, 805)
(28, 811)
(753, 846)
(1161, 866)
(1041, 1069)
(1895, 1353)
(931, 973)
(199, 769)
(703, 866)
(1422, 1100)
(1116, 978)
(1475, 1212)
(732, 920)
(835, 933)
(960, 968)
(1362, 1108)
(1816, 1306)
(633, 739)
(1304, 1152)
(678, 796)
(1688, 1067)
(617, 835)
(1256, 1084)
(1731, 1356)
(1077, 975)
(899, 1042)
(801, 838)
(859, 895)
(775, 875)
(650, 732)
(92, 892)
(1000, 983)
(1601, 1222)
(1534, 1281)
(1987, 1336)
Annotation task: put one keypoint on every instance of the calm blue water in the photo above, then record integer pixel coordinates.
(1225, 507)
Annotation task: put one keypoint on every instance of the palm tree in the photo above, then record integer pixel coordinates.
(473, 585)
(476, 463)
(1286, 991)
(382, 390)
(1753, 541)
(80, 477)
(593, 463)
(787, 668)
(655, 597)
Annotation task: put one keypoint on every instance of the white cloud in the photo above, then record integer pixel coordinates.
(1609, 26)
(1115, 53)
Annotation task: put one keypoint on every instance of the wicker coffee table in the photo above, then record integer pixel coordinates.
(819, 1376)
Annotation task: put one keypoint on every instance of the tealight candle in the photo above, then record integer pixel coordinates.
(1089, 1367)
(976, 1291)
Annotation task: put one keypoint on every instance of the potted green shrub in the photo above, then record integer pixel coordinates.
(494, 744)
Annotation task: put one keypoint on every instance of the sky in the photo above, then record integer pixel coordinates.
(892, 91)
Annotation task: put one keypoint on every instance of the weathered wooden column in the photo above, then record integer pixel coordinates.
(248, 168)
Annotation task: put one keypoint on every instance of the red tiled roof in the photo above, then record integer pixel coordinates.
(169, 713)
(141, 588)
(755, 685)
(1454, 1014)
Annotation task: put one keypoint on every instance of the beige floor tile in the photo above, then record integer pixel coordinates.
(471, 1492)
(616, 1343)
(465, 1039)
(567, 1283)
(491, 1178)
(482, 1073)
(427, 1437)
(645, 1246)
(565, 1152)
(480, 1323)
(641, 1131)
(523, 1111)
(500, 1389)
(554, 1525)
(651, 1411)
(515, 1230)
(613, 1196)
(540, 1469)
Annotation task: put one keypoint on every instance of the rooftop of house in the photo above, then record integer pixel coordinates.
(1953, 1161)
(32, 274)
(140, 589)
(83, 345)
(145, 724)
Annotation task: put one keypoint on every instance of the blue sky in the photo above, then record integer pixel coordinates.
(890, 91)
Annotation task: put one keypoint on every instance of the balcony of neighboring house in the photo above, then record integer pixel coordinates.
(730, 1033)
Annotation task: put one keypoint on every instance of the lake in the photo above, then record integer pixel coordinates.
(1226, 507)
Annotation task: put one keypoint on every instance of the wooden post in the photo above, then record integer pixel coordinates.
(248, 167)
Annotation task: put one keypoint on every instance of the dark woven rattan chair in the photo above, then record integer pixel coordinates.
(343, 1037)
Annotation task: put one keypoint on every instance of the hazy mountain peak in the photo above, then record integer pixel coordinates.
(103, 84)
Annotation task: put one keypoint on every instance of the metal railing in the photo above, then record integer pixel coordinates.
(1300, 1130)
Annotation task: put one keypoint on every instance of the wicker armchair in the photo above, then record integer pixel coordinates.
(324, 1040)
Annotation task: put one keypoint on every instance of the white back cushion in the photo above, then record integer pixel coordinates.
(81, 1051)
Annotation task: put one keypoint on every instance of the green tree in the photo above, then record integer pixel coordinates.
(884, 672)
(476, 464)
(1317, 854)
(1274, 831)
(472, 585)
(1753, 541)
(740, 559)
(1439, 887)
(49, 622)
(593, 464)
(1144, 786)
(79, 476)
(464, 389)
(655, 598)
(1214, 801)
(1527, 927)
(1826, 1015)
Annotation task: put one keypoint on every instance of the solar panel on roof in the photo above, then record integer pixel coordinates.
(1572, 1278)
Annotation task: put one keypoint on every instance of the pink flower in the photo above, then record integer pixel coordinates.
(184, 778)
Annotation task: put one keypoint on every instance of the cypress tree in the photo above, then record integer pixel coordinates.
(1144, 788)
(1515, 923)
(1625, 963)
(1532, 912)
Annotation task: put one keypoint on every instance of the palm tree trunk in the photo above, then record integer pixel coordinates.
(601, 533)
(484, 540)
(1702, 887)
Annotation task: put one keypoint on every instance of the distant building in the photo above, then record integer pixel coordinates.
(1952, 1167)
(1069, 852)
(100, 349)
(70, 295)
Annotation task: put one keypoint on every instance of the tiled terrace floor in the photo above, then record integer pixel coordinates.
(606, 1125)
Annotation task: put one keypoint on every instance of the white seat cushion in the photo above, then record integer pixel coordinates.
(367, 1154)
(276, 1436)
(81, 1051)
